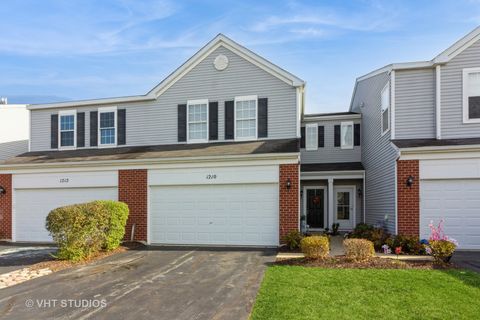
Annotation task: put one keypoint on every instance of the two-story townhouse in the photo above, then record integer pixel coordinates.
(421, 143)
(14, 130)
(332, 174)
(209, 156)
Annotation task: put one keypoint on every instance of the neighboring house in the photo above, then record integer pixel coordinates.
(421, 143)
(209, 156)
(14, 130)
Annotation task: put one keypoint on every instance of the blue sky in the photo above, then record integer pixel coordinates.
(69, 50)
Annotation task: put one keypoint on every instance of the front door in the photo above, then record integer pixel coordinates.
(315, 207)
(344, 207)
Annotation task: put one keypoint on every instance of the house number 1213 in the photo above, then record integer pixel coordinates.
(211, 176)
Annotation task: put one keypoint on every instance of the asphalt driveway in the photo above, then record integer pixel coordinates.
(13, 257)
(467, 259)
(159, 283)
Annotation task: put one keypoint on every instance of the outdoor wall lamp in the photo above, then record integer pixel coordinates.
(360, 192)
(2, 190)
(410, 180)
(288, 184)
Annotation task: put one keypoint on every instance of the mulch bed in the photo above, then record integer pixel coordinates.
(57, 265)
(341, 262)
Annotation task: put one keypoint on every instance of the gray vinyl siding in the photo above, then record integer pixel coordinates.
(415, 104)
(451, 95)
(155, 123)
(329, 153)
(12, 149)
(378, 155)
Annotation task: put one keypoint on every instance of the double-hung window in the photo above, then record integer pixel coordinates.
(385, 108)
(67, 129)
(107, 126)
(346, 135)
(197, 120)
(311, 136)
(246, 118)
(471, 95)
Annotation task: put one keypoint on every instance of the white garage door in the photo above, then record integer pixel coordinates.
(458, 203)
(33, 205)
(237, 214)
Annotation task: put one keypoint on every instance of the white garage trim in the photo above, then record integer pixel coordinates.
(450, 169)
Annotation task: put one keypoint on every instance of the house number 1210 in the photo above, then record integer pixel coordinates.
(211, 176)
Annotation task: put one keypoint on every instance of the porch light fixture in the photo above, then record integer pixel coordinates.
(410, 180)
(360, 192)
(288, 184)
(2, 190)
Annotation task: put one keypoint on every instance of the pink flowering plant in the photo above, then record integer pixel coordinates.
(440, 246)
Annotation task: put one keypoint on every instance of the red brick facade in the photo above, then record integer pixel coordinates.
(289, 198)
(6, 207)
(133, 190)
(408, 197)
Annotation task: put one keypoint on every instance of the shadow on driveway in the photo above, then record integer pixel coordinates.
(467, 259)
(15, 256)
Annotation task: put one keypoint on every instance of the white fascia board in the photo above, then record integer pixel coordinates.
(458, 46)
(445, 152)
(308, 118)
(96, 102)
(285, 158)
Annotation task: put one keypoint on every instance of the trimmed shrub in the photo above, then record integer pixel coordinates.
(292, 239)
(83, 229)
(409, 244)
(358, 249)
(442, 250)
(365, 231)
(315, 247)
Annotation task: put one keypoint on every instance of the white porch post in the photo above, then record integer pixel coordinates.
(330, 202)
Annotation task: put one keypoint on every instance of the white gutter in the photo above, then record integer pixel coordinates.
(91, 102)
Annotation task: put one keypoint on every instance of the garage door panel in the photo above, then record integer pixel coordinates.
(458, 203)
(33, 205)
(215, 214)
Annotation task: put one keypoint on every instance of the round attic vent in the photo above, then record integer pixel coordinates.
(220, 62)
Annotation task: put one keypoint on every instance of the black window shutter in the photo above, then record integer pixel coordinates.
(356, 134)
(81, 129)
(321, 136)
(182, 123)
(229, 120)
(213, 120)
(337, 136)
(302, 137)
(93, 128)
(54, 131)
(122, 126)
(473, 107)
(263, 117)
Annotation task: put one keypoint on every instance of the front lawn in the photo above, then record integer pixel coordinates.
(293, 292)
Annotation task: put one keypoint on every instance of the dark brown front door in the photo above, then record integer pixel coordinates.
(315, 208)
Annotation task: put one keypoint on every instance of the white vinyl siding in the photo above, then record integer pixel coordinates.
(311, 136)
(246, 118)
(197, 118)
(107, 127)
(346, 135)
(155, 122)
(385, 108)
(67, 129)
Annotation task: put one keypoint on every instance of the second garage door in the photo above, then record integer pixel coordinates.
(237, 214)
(457, 201)
(33, 205)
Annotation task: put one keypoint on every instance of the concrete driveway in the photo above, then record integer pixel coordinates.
(158, 283)
(467, 259)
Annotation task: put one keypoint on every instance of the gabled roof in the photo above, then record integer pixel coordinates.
(442, 58)
(219, 41)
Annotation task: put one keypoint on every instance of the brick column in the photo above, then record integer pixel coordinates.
(132, 189)
(408, 198)
(6, 207)
(289, 199)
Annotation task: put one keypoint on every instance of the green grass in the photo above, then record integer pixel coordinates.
(290, 292)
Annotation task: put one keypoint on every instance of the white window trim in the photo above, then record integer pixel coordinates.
(466, 72)
(344, 124)
(387, 109)
(192, 102)
(99, 137)
(311, 125)
(67, 113)
(245, 98)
